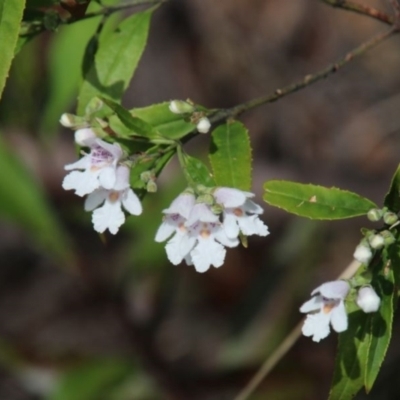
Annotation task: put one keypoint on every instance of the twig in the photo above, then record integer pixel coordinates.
(286, 345)
(361, 9)
(308, 80)
(396, 9)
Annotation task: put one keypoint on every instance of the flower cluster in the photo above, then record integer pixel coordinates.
(326, 308)
(102, 176)
(202, 227)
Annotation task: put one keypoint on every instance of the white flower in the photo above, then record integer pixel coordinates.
(203, 125)
(110, 215)
(240, 213)
(209, 250)
(363, 253)
(99, 168)
(326, 308)
(368, 300)
(377, 241)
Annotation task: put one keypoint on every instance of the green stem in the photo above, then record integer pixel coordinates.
(306, 81)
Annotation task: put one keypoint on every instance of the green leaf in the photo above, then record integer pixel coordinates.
(230, 156)
(92, 381)
(196, 172)
(348, 377)
(315, 202)
(10, 19)
(116, 60)
(134, 125)
(168, 124)
(392, 198)
(381, 321)
(22, 201)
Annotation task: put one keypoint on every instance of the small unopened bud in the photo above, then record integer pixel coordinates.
(388, 237)
(151, 186)
(217, 208)
(67, 120)
(204, 125)
(363, 253)
(376, 241)
(206, 198)
(374, 214)
(368, 300)
(180, 107)
(84, 136)
(146, 176)
(390, 218)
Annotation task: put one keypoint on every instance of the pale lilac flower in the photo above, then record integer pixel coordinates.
(174, 222)
(326, 308)
(240, 213)
(368, 300)
(110, 215)
(99, 167)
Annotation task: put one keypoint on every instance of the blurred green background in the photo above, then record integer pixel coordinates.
(85, 317)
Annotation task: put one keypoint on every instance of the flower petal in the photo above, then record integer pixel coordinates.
(229, 197)
(206, 253)
(252, 225)
(333, 290)
(114, 149)
(165, 230)
(178, 248)
(131, 202)
(230, 225)
(313, 304)
(95, 199)
(317, 326)
(201, 212)
(83, 182)
(252, 207)
(110, 217)
(339, 318)
(107, 177)
(82, 163)
(182, 205)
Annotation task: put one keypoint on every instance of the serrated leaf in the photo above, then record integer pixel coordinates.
(116, 60)
(197, 172)
(392, 198)
(10, 19)
(348, 377)
(168, 124)
(22, 201)
(230, 156)
(381, 321)
(315, 202)
(134, 125)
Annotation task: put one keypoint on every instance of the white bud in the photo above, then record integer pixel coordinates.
(67, 120)
(377, 241)
(84, 136)
(363, 253)
(204, 125)
(368, 300)
(180, 107)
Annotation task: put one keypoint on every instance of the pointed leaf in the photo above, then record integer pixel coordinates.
(10, 19)
(197, 173)
(392, 198)
(168, 124)
(382, 320)
(116, 60)
(230, 156)
(315, 202)
(133, 125)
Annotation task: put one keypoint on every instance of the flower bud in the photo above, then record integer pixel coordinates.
(180, 107)
(368, 300)
(388, 237)
(151, 186)
(206, 198)
(363, 253)
(217, 209)
(376, 241)
(204, 125)
(84, 136)
(67, 120)
(374, 214)
(390, 218)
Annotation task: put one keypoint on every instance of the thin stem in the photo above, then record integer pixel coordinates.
(306, 81)
(286, 345)
(361, 9)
